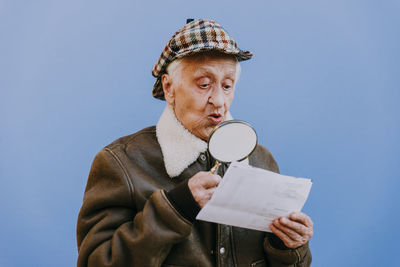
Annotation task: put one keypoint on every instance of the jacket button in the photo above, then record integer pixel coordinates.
(222, 251)
(203, 157)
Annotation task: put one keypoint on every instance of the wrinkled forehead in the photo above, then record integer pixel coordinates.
(222, 71)
(203, 62)
(211, 61)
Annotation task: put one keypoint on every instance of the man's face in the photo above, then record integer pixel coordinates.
(201, 92)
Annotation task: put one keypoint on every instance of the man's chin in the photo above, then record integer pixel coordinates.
(205, 133)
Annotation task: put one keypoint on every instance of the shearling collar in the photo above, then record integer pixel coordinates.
(179, 147)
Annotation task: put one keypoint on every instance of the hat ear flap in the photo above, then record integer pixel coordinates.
(169, 92)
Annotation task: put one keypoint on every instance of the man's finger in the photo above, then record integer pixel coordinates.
(301, 218)
(211, 180)
(211, 191)
(291, 233)
(295, 226)
(282, 236)
(279, 233)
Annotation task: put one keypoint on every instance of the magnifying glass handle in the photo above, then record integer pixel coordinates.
(215, 168)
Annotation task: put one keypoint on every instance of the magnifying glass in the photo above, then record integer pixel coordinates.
(232, 140)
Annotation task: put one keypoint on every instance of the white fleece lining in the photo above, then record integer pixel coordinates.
(179, 147)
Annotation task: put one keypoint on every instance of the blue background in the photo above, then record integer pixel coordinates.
(322, 91)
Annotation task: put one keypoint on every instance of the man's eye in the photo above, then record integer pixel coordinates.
(204, 86)
(227, 87)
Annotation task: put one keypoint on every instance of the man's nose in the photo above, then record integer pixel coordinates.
(217, 96)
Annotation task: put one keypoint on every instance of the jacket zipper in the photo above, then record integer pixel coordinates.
(232, 246)
(218, 246)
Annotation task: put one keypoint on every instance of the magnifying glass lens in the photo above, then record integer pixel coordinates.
(232, 140)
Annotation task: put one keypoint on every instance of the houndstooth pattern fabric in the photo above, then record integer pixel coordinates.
(195, 36)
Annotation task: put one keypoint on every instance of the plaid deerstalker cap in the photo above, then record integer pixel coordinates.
(197, 35)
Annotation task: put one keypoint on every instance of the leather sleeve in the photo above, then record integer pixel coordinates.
(299, 257)
(110, 232)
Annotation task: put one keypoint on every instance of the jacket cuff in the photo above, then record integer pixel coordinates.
(182, 200)
(284, 254)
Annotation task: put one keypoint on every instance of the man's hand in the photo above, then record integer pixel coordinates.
(202, 186)
(294, 230)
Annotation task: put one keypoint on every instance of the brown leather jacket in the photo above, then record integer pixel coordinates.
(127, 220)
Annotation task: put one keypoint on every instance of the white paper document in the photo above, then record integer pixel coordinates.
(252, 198)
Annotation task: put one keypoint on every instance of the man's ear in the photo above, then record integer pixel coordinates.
(168, 89)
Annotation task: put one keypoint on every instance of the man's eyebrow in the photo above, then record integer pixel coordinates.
(231, 74)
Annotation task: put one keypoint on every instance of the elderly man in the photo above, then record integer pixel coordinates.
(145, 190)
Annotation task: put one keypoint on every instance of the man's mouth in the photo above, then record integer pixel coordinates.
(215, 118)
